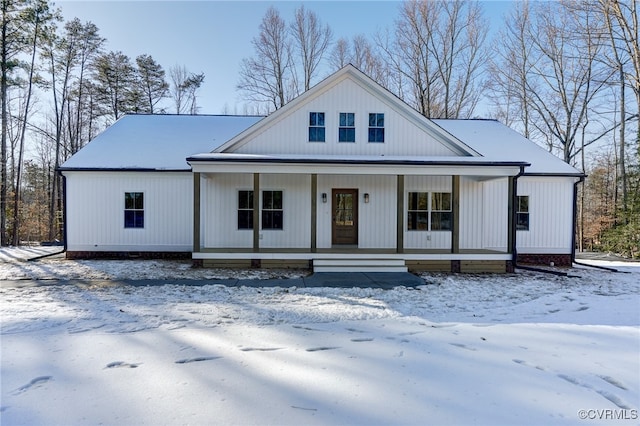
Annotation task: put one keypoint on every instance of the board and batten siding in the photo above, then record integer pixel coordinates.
(219, 220)
(550, 215)
(95, 211)
(290, 133)
(376, 219)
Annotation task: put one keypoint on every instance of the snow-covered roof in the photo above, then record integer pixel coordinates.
(497, 142)
(157, 142)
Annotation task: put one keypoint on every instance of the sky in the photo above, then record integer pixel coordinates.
(212, 37)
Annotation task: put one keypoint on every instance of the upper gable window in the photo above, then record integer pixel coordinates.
(376, 128)
(316, 127)
(347, 129)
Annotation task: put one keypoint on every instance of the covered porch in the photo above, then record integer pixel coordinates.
(354, 214)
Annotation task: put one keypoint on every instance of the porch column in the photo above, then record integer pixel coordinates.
(400, 215)
(455, 212)
(314, 212)
(511, 205)
(256, 212)
(196, 212)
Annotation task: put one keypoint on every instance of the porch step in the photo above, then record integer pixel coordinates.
(359, 265)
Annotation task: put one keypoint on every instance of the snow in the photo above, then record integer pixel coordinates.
(157, 142)
(498, 142)
(525, 348)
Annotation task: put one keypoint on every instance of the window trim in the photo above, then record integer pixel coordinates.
(136, 211)
(378, 130)
(313, 125)
(432, 211)
(417, 211)
(271, 210)
(346, 127)
(239, 209)
(522, 213)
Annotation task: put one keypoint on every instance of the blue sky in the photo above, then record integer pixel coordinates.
(213, 36)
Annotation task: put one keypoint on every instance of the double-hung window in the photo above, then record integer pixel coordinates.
(134, 210)
(245, 209)
(418, 211)
(347, 129)
(441, 213)
(522, 213)
(429, 211)
(272, 212)
(376, 128)
(316, 127)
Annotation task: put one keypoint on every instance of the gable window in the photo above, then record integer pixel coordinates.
(429, 211)
(316, 127)
(418, 211)
(376, 128)
(245, 209)
(347, 129)
(272, 213)
(522, 213)
(134, 210)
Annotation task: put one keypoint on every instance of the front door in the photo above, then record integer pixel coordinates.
(344, 227)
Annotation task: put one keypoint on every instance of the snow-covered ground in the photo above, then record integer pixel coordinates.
(525, 348)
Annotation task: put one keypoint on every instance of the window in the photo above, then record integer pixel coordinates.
(316, 127)
(522, 213)
(272, 213)
(441, 211)
(347, 129)
(422, 216)
(418, 211)
(245, 209)
(134, 210)
(376, 128)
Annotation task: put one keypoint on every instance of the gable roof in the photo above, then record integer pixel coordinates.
(371, 86)
(156, 142)
(499, 142)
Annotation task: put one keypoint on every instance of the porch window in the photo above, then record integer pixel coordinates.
(429, 211)
(316, 127)
(245, 209)
(272, 213)
(347, 129)
(522, 213)
(376, 128)
(418, 211)
(441, 213)
(134, 210)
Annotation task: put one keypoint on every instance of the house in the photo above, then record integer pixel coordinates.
(344, 177)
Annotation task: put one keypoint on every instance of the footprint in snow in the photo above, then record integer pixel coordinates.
(197, 359)
(38, 381)
(607, 395)
(363, 339)
(613, 382)
(322, 348)
(260, 349)
(460, 345)
(121, 364)
(582, 308)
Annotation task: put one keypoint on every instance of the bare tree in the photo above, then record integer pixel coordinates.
(184, 89)
(439, 52)
(312, 40)
(266, 77)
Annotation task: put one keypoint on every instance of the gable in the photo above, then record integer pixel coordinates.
(406, 132)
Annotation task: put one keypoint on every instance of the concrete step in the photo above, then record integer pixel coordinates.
(359, 265)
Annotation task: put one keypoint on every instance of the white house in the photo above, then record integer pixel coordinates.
(344, 176)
